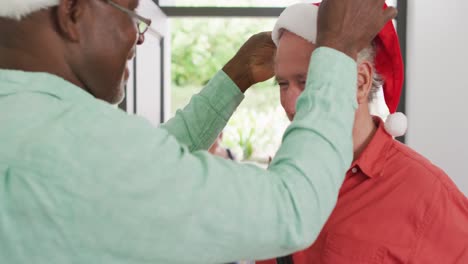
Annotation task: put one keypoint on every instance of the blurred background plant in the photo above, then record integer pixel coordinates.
(200, 47)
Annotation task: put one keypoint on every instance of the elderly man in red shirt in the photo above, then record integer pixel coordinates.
(395, 206)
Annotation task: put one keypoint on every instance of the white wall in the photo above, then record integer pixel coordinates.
(437, 84)
(148, 76)
(148, 63)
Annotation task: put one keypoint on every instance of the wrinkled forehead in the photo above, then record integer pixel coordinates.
(293, 45)
(293, 54)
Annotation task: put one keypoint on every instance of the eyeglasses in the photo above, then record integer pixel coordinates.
(142, 23)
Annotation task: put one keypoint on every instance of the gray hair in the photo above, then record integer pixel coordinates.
(368, 54)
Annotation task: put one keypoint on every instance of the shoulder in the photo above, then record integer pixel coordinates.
(94, 134)
(419, 168)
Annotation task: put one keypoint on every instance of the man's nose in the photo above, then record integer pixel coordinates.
(290, 108)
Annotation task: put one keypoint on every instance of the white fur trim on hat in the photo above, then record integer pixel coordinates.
(300, 19)
(17, 9)
(396, 124)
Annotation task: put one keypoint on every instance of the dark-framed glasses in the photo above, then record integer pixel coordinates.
(142, 23)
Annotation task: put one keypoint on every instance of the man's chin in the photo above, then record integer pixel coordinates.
(119, 100)
(119, 96)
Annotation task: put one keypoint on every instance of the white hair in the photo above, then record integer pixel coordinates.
(18, 9)
(368, 54)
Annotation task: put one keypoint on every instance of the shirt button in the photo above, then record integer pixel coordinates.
(354, 170)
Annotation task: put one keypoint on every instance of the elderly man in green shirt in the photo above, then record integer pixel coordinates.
(83, 182)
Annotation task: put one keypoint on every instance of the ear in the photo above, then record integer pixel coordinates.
(365, 73)
(69, 14)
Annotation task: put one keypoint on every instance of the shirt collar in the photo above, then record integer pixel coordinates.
(14, 81)
(373, 159)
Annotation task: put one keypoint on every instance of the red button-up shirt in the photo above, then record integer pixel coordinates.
(395, 206)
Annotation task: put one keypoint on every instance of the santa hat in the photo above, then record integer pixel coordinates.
(301, 19)
(16, 9)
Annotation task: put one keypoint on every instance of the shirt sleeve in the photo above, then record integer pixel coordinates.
(201, 121)
(117, 190)
(444, 232)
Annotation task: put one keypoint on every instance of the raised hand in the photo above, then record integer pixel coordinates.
(350, 25)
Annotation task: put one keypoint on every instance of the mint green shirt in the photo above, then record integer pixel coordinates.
(83, 182)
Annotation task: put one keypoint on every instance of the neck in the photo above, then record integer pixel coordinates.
(363, 131)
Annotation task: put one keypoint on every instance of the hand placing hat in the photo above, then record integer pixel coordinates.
(253, 63)
(350, 25)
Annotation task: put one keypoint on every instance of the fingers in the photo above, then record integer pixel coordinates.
(390, 13)
(268, 33)
(266, 39)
